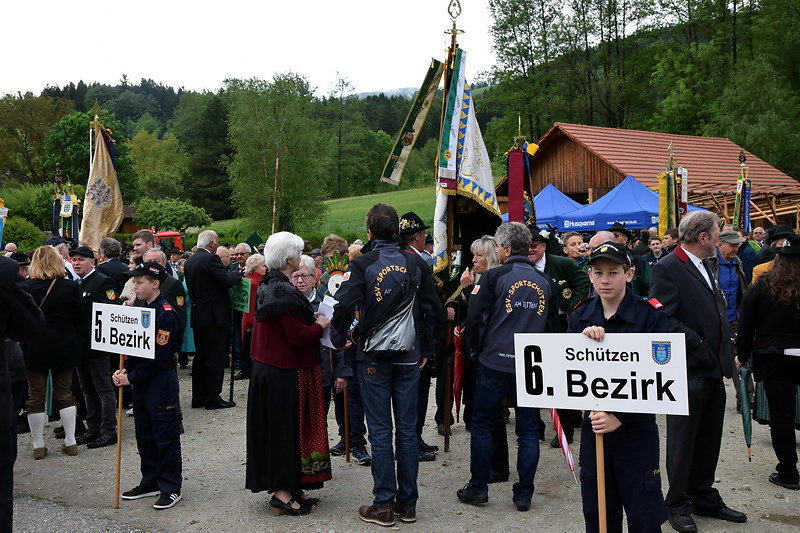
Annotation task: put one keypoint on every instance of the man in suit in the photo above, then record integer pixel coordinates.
(94, 370)
(110, 265)
(208, 282)
(171, 289)
(21, 320)
(571, 285)
(684, 283)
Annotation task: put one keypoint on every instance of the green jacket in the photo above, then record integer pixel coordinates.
(641, 277)
(95, 288)
(571, 282)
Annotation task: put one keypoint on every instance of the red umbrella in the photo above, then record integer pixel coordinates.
(458, 366)
(565, 449)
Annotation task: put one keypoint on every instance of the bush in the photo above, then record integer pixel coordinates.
(22, 233)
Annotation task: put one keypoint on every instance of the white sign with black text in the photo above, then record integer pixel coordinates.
(124, 330)
(627, 372)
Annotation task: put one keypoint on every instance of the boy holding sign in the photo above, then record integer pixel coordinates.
(155, 394)
(632, 475)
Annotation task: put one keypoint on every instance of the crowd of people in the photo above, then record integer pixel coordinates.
(365, 326)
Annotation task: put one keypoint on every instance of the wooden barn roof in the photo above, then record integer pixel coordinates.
(712, 162)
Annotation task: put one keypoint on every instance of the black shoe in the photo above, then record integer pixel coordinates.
(426, 456)
(467, 495)
(726, 513)
(222, 404)
(555, 443)
(683, 523)
(776, 479)
(425, 447)
(167, 500)
(494, 477)
(440, 429)
(87, 437)
(240, 375)
(139, 492)
(302, 500)
(102, 442)
(523, 506)
(59, 432)
(279, 507)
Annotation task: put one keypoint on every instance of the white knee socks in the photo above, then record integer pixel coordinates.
(68, 415)
(36, 421)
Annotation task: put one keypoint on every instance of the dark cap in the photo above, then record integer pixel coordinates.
(411, 223)
(316, 252)
(151, 269)
(54, 241)
(780, 231)
(84, 251)
(791, 248)
(428, 238)
(539, 235)
(616, 226)
(612, 251)
(21, 259)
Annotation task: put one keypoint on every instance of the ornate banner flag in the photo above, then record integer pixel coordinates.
(464, 167)
(102, 207)
(398, 157)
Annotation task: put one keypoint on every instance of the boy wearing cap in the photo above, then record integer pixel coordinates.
(155, 393)
(633, 479)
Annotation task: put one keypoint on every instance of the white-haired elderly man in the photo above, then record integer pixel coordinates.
(208, 283)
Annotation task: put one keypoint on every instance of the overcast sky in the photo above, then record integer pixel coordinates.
(377, 44)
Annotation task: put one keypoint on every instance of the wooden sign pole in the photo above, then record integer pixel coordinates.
(601, 481)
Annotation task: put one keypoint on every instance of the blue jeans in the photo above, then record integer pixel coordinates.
(387, 389)
(490, 389)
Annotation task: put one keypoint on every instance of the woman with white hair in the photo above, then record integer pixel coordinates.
(287, 434)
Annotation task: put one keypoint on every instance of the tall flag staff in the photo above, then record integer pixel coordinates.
(741, 210)
(670, 194)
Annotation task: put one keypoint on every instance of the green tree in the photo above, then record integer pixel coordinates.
(25, 121)
(269, 119)
(67, 144)
(170, 214)
(160, 165)
(343, 119)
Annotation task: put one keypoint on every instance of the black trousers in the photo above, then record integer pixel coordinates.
(693, 444)
(781, 375)
(8, 454)
(208, 366)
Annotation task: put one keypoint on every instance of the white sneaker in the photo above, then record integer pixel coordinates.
(129, 412)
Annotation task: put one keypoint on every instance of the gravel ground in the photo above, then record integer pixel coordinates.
(63, 493)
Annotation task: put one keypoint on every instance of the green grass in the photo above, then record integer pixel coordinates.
(346, 215)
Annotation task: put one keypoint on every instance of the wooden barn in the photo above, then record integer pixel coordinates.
(585, 162)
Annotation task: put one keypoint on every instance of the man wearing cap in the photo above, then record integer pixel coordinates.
(412, 237)
(684, 283)
(642, 270)
(93, 369)
(155, 393)
(729, 271)
(571, 285)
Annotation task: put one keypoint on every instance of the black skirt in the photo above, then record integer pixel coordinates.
(273, 451)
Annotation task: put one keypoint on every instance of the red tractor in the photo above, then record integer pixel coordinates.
(169, 240)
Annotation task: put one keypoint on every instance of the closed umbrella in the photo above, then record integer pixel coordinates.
(458, 367)
(747, 414)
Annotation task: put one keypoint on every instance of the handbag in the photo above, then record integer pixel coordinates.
(50, 288)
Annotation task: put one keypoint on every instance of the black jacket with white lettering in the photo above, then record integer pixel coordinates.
(634, 315)
(512, 298)
(365, 293)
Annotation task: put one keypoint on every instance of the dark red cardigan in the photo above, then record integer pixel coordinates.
(286, 341)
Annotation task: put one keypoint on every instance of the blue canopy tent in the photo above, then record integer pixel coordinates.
(549, 204)
(629, 203)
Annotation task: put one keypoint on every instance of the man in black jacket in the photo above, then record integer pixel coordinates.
(382, 283)
(94, 370)
(209, 283)
(512, 298)
(110, 265)
(685, 284)
(21, 320)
